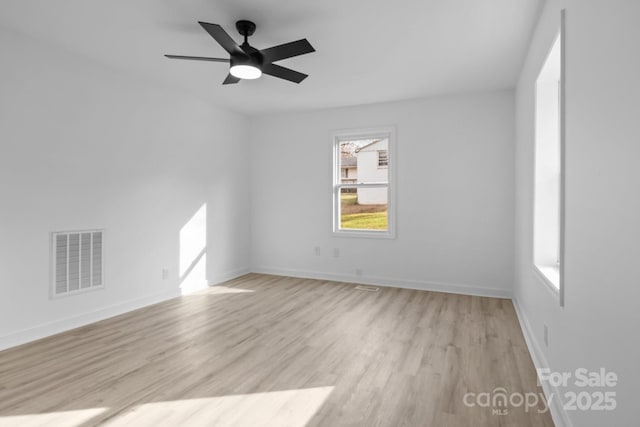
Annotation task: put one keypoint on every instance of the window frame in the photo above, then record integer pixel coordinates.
(541, 272)
(337, 137)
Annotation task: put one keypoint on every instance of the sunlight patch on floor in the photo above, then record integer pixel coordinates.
(293, 408)
(219, 289)
(59, 419)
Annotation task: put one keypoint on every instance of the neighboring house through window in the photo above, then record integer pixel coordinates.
(348, 170)
(383, 158)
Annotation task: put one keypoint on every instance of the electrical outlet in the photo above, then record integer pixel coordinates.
(336, 252)
(546, 336)
(358, 272)
(165, 274)
(317, 249)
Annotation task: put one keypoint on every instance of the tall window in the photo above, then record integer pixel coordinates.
(548, 194)
(363, 203)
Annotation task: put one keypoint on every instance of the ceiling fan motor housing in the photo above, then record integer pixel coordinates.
(253, 57)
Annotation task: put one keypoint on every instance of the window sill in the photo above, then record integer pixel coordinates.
(365, 234)
(550, 276)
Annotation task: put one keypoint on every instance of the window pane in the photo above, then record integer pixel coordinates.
(364, 161)
(546, 236)
(364, 208)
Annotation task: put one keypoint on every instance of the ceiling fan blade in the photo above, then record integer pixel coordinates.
(283, 73)
(230, 80)
(287, 50)
(197, 58)
(221, 36)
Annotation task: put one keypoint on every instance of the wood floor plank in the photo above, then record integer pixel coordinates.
(278, 351)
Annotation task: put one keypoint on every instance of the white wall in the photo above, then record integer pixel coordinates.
(83, 146)
(454, 201)
(598, 327)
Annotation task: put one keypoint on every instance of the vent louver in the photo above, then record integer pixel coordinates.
(77, 261)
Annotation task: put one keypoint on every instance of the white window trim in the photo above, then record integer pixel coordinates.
(367, 133)
(548, 280)
(549, 276)
(52, 248)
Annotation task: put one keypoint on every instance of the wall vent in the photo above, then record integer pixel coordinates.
(78, 261)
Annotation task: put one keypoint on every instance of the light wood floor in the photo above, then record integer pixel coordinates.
(274, 351)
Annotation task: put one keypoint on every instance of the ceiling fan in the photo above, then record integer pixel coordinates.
(247, 62)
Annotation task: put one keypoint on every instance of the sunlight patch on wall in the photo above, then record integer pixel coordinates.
(60, 419)
(193, 252)
(292, 408)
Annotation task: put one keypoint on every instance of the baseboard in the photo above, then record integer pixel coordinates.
(42, 331)
(390, 282)
(51, 328)
(559, 415)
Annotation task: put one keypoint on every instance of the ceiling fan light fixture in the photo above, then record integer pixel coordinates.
(248, 72)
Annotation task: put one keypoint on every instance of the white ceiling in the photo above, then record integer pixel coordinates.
(366, 50)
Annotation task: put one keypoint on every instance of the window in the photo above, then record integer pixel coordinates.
(363, 195)
(77, 262)
(548, 181)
